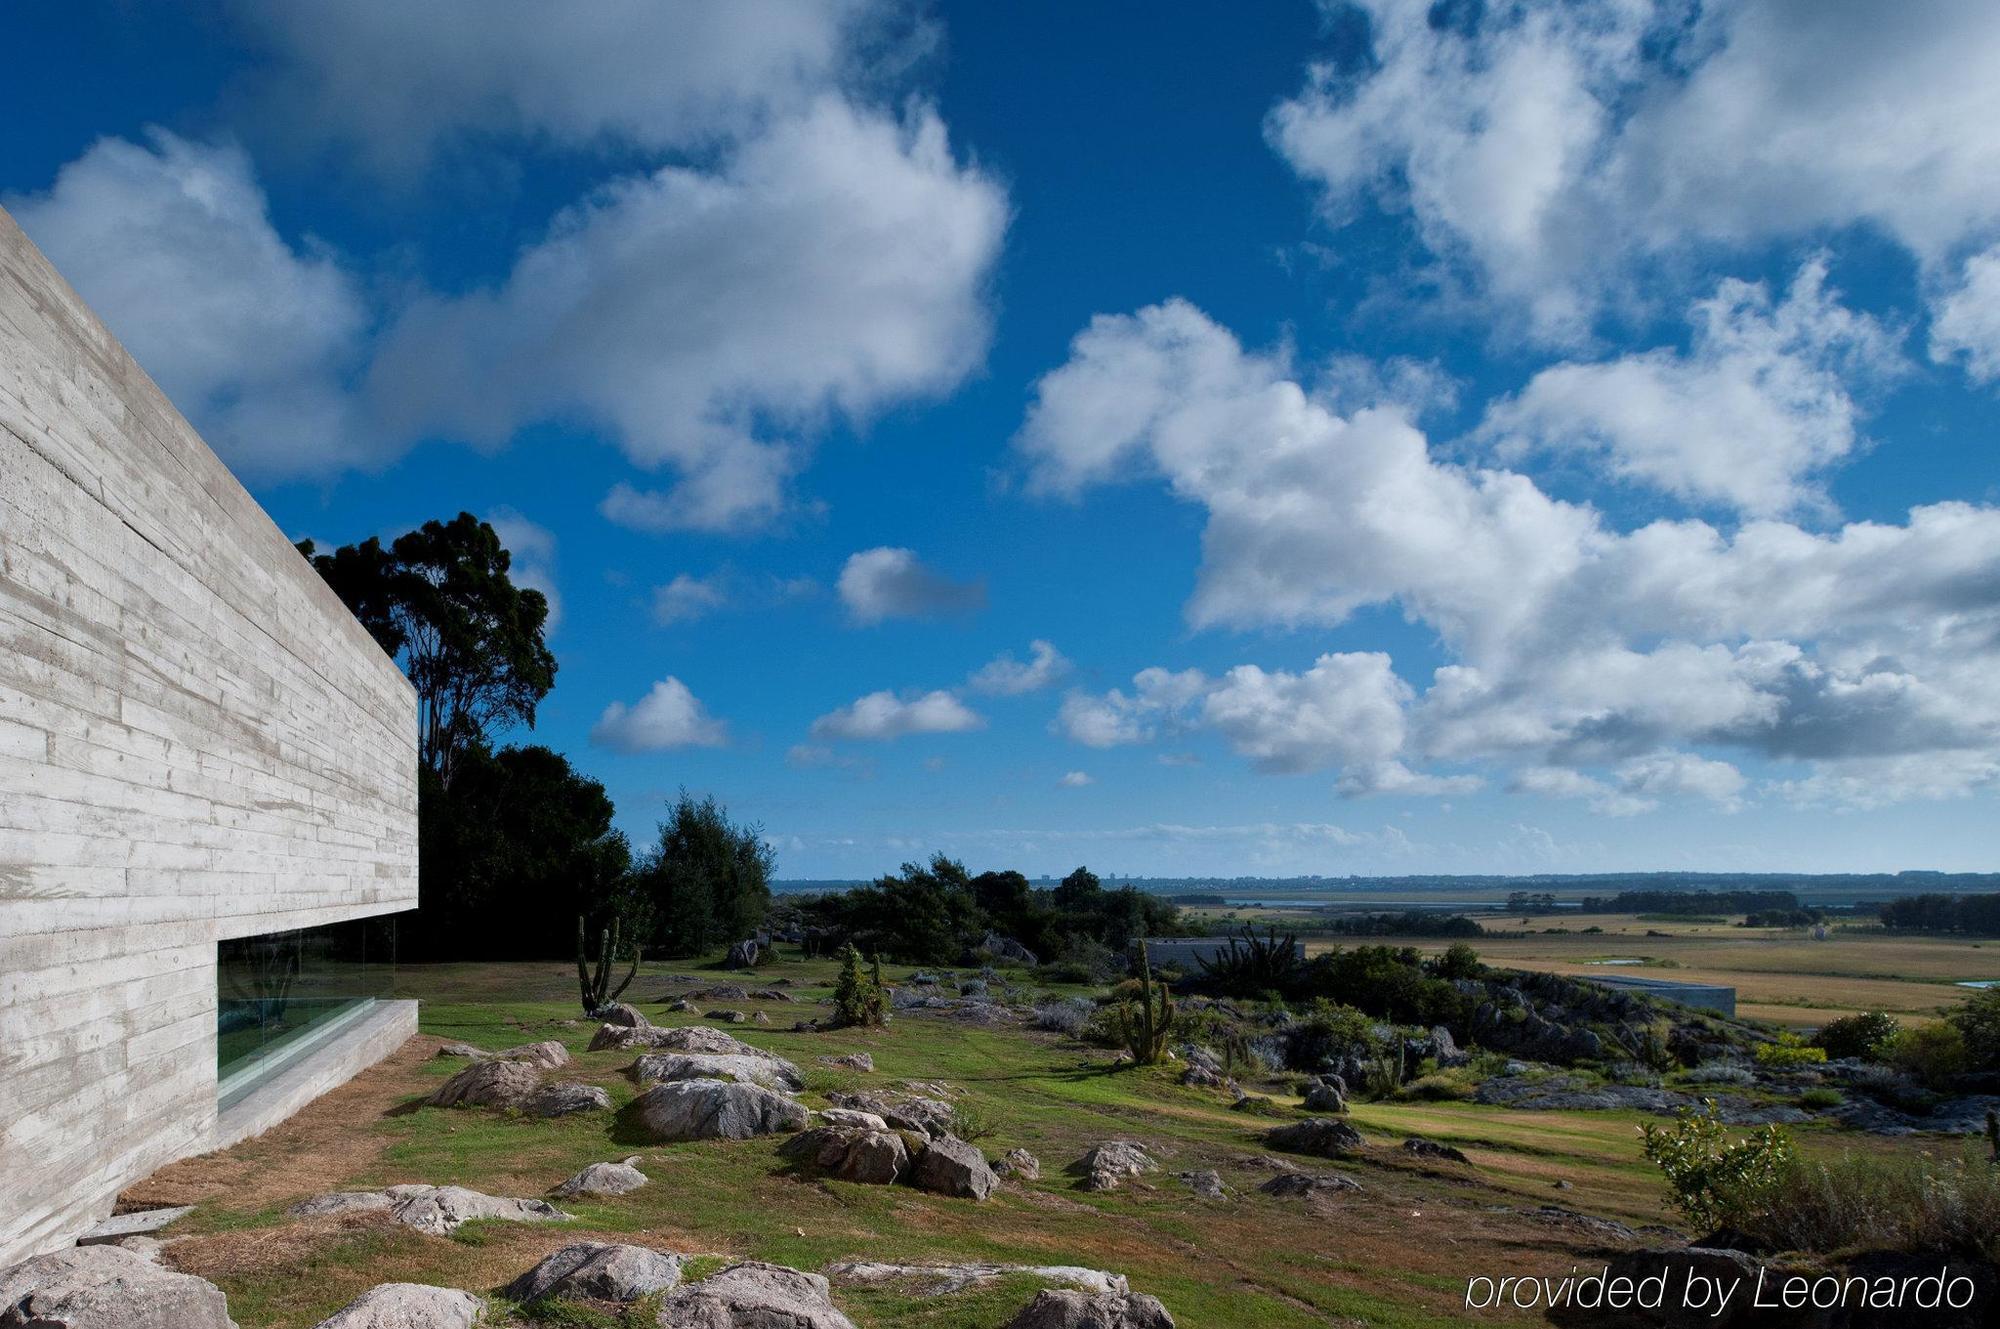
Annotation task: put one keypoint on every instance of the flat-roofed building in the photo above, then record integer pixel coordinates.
(208, 788)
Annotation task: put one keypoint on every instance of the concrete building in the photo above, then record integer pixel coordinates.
(1707, 996)
(207, 774)
(1187, 954)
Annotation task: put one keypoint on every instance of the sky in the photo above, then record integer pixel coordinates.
(1259, 439)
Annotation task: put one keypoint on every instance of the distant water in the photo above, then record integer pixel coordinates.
(1614, 962)
(1981, 983)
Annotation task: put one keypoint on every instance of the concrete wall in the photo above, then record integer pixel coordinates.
(1188, 953)
(197, 741)
(1707, 996)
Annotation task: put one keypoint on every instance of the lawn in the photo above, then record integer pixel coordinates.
(1396, 1254)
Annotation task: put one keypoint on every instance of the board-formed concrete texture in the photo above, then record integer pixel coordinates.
(197, 742)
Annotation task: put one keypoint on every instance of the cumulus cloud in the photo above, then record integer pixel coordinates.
(532, 550)
(1550, 151)
(884, 583)
(667, 717)
(1075, 780)
(884, 715)
(171, 242)
(1967, 322)
(1004, 676)
(1641, 783)
(711, 321)
(1573, 645)
(396, 82)
(687, 598)
(1756, 406)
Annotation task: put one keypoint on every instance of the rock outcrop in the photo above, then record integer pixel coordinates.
(600, 1271)
(905, 1112)
(857, 1154)
(716, 1109)
(107, 1287)
(406, 1306)
(1020, 1165)
(768, 1071)
(1109, 1165)
(437, 1210)
(951, 1166)
(941, 1280)
(1307, 1183)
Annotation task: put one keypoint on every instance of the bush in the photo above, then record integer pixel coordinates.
(1931, 1052)
(859, 997)
(1866, 1036)
(1720, 1072)
(1448, 1086)
(1458, 961)
(1715, 1181)
(1978, 1024)
(1330, 1031)
(1821, 1097)
(1913, 1202)
(1064, 1017)
(1082, 960)
(1789, 1051)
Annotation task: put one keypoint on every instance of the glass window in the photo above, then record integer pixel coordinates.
(280, 993)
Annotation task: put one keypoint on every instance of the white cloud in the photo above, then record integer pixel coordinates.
(1571, 644)
(687, 598)
(171, 242)
(1075, 780)
(531, 549)
(711, 322)
(1552, 151)
(1004, 676)
(1639, 784)
(884, 715)
(1745, 418)
(396, 82)
(1967, 322)
(669, 716)
(884, 583)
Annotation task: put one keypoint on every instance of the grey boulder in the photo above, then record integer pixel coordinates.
(1291, 1184)
(1321, 1136)
(869, 1157)
(560, 1100)
(496, 1084)
(1066, 1309)
(406, 1306)
(905, 1112)
(770, 1072)
(1019, 1164)
(600, 1271)
(753, 1295)
(107, 1287)
(619, 1013)
(716, 1109)
(603, 1179)
(438, 1210)
(1105, 1167)
(950, 1166)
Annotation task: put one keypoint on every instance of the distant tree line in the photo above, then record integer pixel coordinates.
(1409, 923)
(1975, 914)
(1689, 902)
(937, 912)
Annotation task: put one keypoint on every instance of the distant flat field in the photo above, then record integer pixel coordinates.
(1779, 974)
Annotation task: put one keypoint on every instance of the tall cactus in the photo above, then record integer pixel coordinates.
(1146, 1032)
(594, 978)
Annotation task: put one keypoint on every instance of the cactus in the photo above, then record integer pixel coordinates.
(1145, 1033)
(593, 977)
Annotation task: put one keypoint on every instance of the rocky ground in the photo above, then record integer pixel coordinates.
(959, 1168)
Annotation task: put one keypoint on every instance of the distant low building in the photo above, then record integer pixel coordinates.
(1187, 954)
(1705, 996)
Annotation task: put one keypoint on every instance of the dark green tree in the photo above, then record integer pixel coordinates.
(708, 880)
(440, 601)
(1080, 890)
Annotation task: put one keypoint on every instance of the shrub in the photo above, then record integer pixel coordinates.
(1821, 1097)
(1789, 1050)
(1932, 1052)
(1978, 1024)
(1716, 1181)
(1064, 1017)
(1331, 1030)
(1720, 1072)
(859, 997)
(1082, 960)
(1915, 1202)
(1458, 961)
(1865, 1036)
(1448, 1086)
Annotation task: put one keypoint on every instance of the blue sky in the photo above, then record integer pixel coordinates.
(1491, 439)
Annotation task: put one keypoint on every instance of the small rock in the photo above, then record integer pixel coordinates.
(600, 1271)
(437, 1210)
(549, 1055)
(727, 1017)
(1320, 1136)
(683, 1007)
(1208, 1185)
(107, 1287)
(1020, 1164)
(603, 1179)
(853, 1061)
(489, 1083)
(770, 994)
(950, 1166)
(853, 1117)
(621, 1014)
(561, 1100)
(1423, 1148)
(1065, 1309)
(465, 1050)
(406, 1306)
(760, 1018)
(716, 1109)
(1112, 1162)
(1305, 1183)
(742, 955)
(1324, 1097)
(753, 1295)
